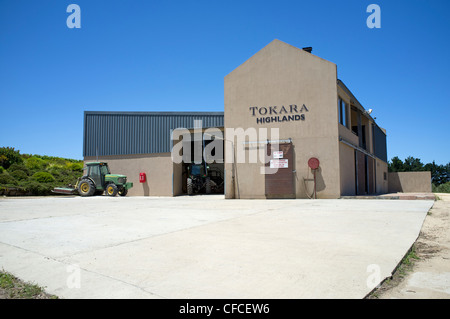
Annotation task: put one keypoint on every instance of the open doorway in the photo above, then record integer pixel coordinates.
(202, 168)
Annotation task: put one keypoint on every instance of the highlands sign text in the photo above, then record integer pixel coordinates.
(279, 114)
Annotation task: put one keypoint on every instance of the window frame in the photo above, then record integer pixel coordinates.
(343, 112)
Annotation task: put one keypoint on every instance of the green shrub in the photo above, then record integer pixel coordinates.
(443, 188)
(9, 156)
(43, 177)
(36, 188)
(19, 175)
(56, 167)
(19, 167)
(35, 163)
(6, 179)
(55, 171)
(75, 167)
(36, 174)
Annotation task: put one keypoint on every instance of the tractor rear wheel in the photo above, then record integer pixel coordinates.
(86, 187)
(123, 191)
(111, 189)
(190, 186)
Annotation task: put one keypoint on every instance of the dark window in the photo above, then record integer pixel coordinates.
(95, 170)
(342, 112)
(379, 143)
(363, 137)
(104, 170)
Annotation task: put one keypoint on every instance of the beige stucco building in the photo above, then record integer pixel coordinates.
(285, 111)
(298, 93)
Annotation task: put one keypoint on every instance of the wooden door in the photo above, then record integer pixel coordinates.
(279, 178)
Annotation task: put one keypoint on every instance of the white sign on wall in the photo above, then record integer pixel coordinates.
(278, 154)
(279, 163)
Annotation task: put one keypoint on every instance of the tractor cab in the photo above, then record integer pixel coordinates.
(197, 170)
(97, 172)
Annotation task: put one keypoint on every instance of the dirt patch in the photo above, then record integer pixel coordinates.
(425, 250)
(424, 272)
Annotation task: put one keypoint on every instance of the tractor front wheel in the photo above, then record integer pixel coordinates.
(111, 190)
(208, 185)
(123, 191)
(190, 186)
(86, 187)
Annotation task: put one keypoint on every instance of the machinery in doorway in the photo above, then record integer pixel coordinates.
(98, 179)
(202, 178)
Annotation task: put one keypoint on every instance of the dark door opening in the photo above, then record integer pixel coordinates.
(200, 177)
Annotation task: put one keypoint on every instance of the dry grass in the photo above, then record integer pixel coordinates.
(13, 288)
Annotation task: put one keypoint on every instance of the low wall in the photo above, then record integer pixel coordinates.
(409, 182)
(13, 191)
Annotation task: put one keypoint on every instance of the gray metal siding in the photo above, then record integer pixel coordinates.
(121, 133)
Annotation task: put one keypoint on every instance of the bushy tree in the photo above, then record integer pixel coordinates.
(37, 188)
(6, 179)
(396, 165)
(19, 167)
(443, 188)
(43, 177)
(75, 167)
(440, 174)
(9, 156)
(412, 164)
(19, 175)
(35, 163)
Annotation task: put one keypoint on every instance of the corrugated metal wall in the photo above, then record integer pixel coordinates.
(120, 133)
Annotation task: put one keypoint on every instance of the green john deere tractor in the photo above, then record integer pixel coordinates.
(198, 179)
(98, 179)
(203, 179)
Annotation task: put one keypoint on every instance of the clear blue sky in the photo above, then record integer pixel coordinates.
(173, 55)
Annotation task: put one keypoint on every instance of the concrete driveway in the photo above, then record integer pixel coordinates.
(206, 246)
